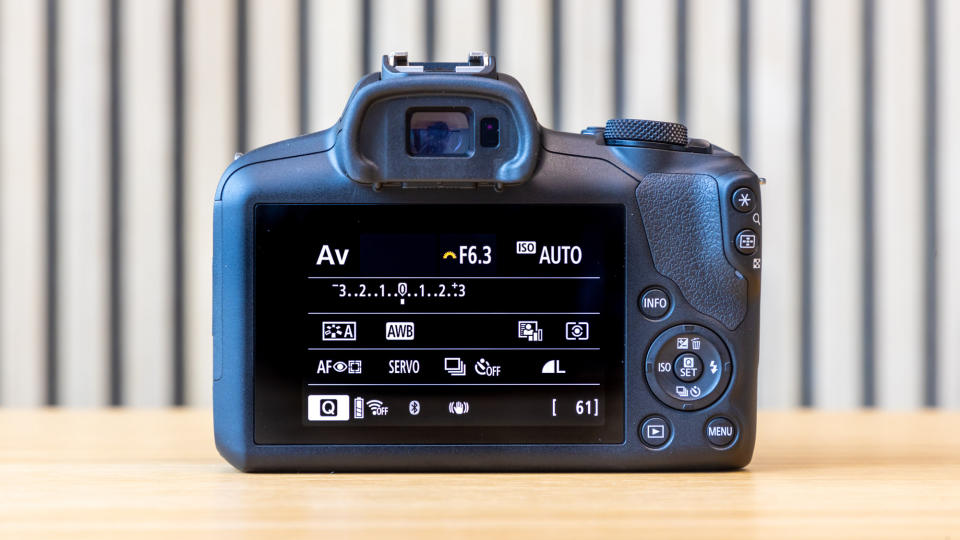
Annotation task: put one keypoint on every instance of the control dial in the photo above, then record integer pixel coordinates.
(688, 367)
(626, 131)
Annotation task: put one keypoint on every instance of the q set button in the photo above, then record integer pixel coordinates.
(688, 367)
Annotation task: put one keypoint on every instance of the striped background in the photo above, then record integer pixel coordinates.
(117, 118)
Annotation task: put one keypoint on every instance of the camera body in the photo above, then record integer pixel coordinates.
(439, 283)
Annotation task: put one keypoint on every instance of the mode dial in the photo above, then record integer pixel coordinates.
(624, 131)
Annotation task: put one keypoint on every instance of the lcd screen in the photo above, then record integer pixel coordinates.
(439, 324)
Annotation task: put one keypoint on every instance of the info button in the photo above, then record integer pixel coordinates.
(654, 303)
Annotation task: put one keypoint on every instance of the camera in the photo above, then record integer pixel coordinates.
(439, 283)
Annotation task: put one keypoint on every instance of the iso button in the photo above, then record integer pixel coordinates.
(654, 303)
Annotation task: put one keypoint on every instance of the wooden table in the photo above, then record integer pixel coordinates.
(156, 474)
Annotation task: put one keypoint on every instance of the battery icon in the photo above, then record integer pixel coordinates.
(358, 408)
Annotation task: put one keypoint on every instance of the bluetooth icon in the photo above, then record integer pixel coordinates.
(414, 407)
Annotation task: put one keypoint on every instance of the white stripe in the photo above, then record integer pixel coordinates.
(22, 203)
(899, 203)
(774, 83)
(712, 79)
(948, 259)
(461, 28)
(586, 53)
(524, 52)
(334, 60)
(272, 71)
(209, 138)
(146, 190)
(650, 66)
(396, 25)
(83, 200)
(837, 185)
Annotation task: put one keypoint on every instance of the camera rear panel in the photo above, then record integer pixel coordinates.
(406, 292)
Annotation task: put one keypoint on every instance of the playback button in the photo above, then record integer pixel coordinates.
(655, 431)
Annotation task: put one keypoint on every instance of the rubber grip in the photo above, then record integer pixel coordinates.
(681, 215)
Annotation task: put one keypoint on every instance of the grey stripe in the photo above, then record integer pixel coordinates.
(116, 291)
(493, 27)
(618, 78)
(682, 61)
(178, 233)
(556, 56)
(430, 15)
(303, 63)
(744, 53)
(241, 44)
(806, 203)
(930, 397)
(365, 37)
(52, 118)
(869, 300)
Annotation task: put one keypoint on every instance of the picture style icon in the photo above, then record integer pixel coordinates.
(455, 366)
(339, 330)
(529, 330)
(578, 331)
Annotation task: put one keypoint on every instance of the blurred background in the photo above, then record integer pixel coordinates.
(118, 116)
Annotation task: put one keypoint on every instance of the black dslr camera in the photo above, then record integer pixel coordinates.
(439, 283)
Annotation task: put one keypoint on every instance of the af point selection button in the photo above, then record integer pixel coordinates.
(746, 242)
(654, 303)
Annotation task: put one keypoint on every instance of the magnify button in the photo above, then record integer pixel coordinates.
(756, 218)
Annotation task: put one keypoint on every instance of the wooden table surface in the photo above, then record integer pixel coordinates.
(155, 474)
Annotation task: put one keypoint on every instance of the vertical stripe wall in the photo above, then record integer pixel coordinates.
(835, 190)
(23, 202)
(83, 273)
(118, 116)
(948, 218)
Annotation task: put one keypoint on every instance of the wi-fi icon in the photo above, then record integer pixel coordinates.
(374, 403)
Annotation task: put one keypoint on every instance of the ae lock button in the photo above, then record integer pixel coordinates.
(688, 367)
